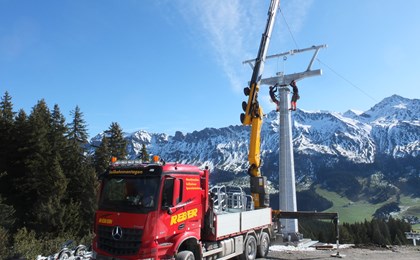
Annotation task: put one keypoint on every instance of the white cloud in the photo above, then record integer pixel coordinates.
(233, 30)
(229, 28)
(295, 13)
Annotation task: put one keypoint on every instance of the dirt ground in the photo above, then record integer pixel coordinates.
(348, 251)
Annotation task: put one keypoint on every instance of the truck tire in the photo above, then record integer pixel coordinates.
(185, 255)
(262, 248)
(250, 249)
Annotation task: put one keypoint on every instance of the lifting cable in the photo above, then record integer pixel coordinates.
(323, 63)
(348, 81)
(288, 27)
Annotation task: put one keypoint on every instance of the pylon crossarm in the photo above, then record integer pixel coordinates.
(291, 52)
(284, 80)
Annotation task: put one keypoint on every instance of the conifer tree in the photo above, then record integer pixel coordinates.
(57, 132)
(6, 142)
(47, 215)
(6, 109)
(4, 242)
(43, 176)
(377, 236)
(7, 215)
(80, 171)
(75, 162)
(102, 156)
(117, 143)
(21, 123)
(345, 236)
(31, 155)
(77, 128)
(144, 154)
(20, 152)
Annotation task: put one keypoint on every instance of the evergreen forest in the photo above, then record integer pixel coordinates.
(48, 179)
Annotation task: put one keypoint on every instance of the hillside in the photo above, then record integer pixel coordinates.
(370, 156)
(390, 128)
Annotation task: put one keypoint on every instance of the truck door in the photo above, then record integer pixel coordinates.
(180, 207)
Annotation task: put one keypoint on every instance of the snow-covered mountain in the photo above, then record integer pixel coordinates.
(391, 127)
(395, 125)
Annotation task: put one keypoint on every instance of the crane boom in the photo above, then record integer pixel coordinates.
(254, 113)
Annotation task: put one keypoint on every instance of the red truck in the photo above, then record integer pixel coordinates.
(167, 211)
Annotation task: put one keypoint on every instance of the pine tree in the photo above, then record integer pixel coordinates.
(77, 128)
(6, 109)
(89, 187)
(144, 154)
(6, 142)
(43, 177)
(57, 132)
(117, 143)
(102, 156)
(380, 232)
(80, 172)
(7, 215)
(47, 215)
(16, 174)
(31, 159)
(345, 235)
(4, 242)
(39, 130)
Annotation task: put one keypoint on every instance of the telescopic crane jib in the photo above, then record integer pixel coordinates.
(253, 114)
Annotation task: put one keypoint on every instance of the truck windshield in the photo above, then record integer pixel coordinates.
(129, 194)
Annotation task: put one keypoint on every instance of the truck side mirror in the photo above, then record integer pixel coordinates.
(171, 194)
(176, 198)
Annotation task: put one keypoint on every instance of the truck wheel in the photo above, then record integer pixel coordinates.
(185, 255)
(250, 251)
(262, 248)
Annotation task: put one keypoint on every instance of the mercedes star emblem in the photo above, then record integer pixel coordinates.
(117, 233)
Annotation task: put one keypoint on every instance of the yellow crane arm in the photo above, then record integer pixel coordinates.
(254, 156)
(254, 113)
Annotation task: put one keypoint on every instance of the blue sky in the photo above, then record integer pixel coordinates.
(168, 65)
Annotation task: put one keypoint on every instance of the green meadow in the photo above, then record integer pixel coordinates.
(359, 211)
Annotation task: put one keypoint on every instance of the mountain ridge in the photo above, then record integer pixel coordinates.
(389, 128)
(370, 158)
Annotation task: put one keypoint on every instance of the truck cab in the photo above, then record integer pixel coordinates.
(149, 210)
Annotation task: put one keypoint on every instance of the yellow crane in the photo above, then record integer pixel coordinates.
(253, 114)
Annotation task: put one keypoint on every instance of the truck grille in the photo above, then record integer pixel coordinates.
(128, 244)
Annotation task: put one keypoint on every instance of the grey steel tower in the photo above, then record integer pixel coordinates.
(287, 187)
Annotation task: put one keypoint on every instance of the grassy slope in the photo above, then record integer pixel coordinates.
(349, 211)
(416, 227)
(358, 211)
(413, 205)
